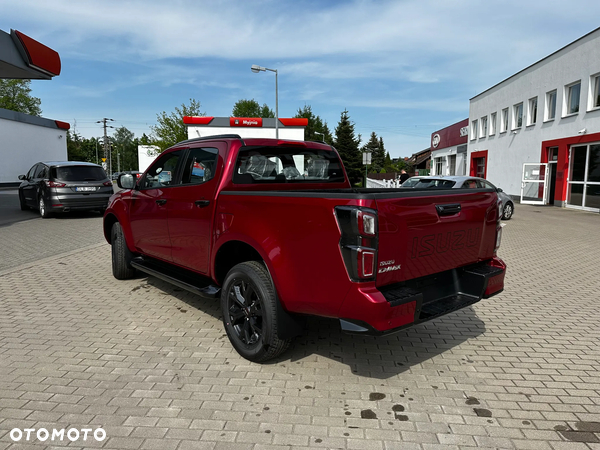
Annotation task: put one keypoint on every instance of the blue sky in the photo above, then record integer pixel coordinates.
(402, 69)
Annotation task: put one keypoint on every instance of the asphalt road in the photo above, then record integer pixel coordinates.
(10, 211)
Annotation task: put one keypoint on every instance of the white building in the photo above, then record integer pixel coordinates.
(547, 115)
(449, 149)
(26, 140)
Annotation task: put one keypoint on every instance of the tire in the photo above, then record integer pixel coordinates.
(121, 255)
(43, 208)
(252, 329)
(508, 211)
(24, 206)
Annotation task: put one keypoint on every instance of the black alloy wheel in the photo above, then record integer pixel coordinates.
(508, 210)
(249, 307)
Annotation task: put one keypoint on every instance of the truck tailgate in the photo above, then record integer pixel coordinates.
(434, 232)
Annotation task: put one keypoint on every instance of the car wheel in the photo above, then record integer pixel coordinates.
(508, 210)
(24, 206)
(249, 306)
(121, 255)
(43, 208)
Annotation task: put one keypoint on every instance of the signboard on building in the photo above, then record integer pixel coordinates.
(451, 136)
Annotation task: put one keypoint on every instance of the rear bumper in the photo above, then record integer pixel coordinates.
(386, 310)
(58, 204)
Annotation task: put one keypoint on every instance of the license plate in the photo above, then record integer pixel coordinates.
(85, 189)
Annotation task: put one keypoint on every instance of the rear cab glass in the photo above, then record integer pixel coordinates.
(78, 173)
(256, 165)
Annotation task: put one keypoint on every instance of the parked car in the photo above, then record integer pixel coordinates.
(62, 186)
(464, 182)
(411, 182)
(236, 219)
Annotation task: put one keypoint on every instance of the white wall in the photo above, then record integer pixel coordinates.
(296, 134)
(508, 151)
(146, 154)
(23, 144)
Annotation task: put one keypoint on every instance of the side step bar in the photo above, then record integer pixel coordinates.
(182, 278)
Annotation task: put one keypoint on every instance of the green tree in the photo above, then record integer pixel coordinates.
(347, 144)
(317, 129)
(16, 96)
(126, 147)
(75, 147)
(251, 108)
(171, 129)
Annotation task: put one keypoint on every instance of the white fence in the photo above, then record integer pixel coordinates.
(382, 183)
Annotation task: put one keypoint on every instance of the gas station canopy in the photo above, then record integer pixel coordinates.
(22, 57)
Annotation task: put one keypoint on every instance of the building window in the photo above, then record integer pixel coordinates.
(452, 165)
(572, 98)
(595, 91)
(438, 166)
(517, 115)
(504, 123)
(492, 124)
(551, 105)
(484, 127)
(474, 129)
(532, 112)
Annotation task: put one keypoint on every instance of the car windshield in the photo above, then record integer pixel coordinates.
(435, 183)
(287, 164)
(78, 173)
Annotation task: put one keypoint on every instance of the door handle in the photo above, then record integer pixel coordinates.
(161, 202)
(202, 203)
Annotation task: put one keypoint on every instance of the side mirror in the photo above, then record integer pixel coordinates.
(499, 190)
(126, 181)
(22, 177)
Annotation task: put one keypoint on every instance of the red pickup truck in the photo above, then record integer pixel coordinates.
(274, 229)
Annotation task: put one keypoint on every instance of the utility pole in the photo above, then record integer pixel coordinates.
(106, 146)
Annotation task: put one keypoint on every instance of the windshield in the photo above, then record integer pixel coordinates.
(287, 164)
(78, 173)
(435, 184)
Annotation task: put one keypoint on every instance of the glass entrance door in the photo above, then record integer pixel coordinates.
(584, 177)
(533, 184)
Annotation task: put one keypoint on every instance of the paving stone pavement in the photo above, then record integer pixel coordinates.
(151, 364)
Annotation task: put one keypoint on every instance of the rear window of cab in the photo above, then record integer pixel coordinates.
(287, 164)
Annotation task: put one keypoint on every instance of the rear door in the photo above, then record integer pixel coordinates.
(423, 233)
(191, 207)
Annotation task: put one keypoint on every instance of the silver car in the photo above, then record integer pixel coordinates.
(463, 182)
(62, 186)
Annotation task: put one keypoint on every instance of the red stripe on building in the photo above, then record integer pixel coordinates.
(295, 122)
(196, 120)
(62, 125)
(39, 56)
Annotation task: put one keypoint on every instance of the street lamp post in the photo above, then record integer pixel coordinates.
(255, 68)
(366, 162)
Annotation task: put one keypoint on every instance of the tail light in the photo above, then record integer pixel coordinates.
(358, 241)
(54, 184)
(107, 183)
(499, 226)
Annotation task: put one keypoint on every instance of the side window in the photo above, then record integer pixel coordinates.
(31, 172)
(162, 172)
(470, 184)
(487, 185)
(43, 173)
(200, 165)
(38, 171)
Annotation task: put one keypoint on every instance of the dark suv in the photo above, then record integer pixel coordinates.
(62, 186)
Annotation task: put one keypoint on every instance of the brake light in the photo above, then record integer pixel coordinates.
(107, 183)
(54, 184)
(358, 241)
